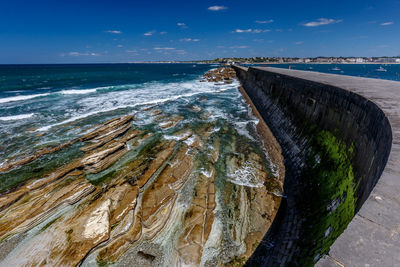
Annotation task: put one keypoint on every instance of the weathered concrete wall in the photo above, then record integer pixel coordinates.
(287, 99)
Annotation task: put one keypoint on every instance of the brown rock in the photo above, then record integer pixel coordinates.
(198, 221)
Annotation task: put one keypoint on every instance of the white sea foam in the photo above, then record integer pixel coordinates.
(190, 140)
(152, 93)
(77, 92)
(48, 127)
(206, 173)
(20, 98)
(16, 117)
(241, 128)
(245, 176)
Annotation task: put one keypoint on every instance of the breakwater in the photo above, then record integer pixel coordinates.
(336, 137)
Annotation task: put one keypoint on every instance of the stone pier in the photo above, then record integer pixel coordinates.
(364, 113)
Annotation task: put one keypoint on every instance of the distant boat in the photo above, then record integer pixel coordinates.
(336, 68)
(310, 68)
(381, 69)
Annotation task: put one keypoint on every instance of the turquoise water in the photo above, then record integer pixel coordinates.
(46, 105)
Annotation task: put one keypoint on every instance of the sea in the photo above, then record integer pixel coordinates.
(45, 105)
(377, 71)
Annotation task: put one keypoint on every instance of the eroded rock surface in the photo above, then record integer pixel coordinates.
(176, 192)
(222, 74)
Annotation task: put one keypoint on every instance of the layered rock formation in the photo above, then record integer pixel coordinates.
(222, 74)
(172, 192)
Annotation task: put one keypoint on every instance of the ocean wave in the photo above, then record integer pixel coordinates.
(153, 93)
(77, 92)
(16, 117)
(48, 127)
(20, 98)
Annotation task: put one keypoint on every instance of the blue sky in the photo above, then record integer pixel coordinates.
(124, 31)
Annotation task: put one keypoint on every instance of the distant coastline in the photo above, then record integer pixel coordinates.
(262, 63)
(329, 63)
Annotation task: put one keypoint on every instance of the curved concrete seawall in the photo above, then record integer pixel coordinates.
(364, 115)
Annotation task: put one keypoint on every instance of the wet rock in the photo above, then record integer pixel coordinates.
(220, 75)
(198, 221)
(181, 135)
(160, 159)
(107, 127)
(156, 112)
(103, 158)
(145, 191)
(171, 122)
(146, 256)
(194, 108)
(36, 206)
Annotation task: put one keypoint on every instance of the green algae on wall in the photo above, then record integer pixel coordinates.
(330, 204)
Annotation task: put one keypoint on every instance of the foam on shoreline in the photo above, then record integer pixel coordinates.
(270, 143)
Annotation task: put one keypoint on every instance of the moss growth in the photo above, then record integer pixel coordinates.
(26, 198)
(38, 168)
(48, 224)
(331, 202)
(69, 232)
(102, 263)
(114, 225)
(236, 261)
(103, 179)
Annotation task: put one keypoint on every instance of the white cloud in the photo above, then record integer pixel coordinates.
(264, 21)
(240, 46)
(387, 23)
(251, 31)
(114, 31)
(163, 33)
(240, 31)
(321, 21)
(77, 54)
(299, 43)
(217, 8)
(131, 51)
(120, 46)
(149, 33)
(182, 25)
(189, 40)
(164, 48)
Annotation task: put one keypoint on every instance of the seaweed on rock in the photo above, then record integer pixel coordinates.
(330, 204)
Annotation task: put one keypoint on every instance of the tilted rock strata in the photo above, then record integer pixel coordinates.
(107, 202)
